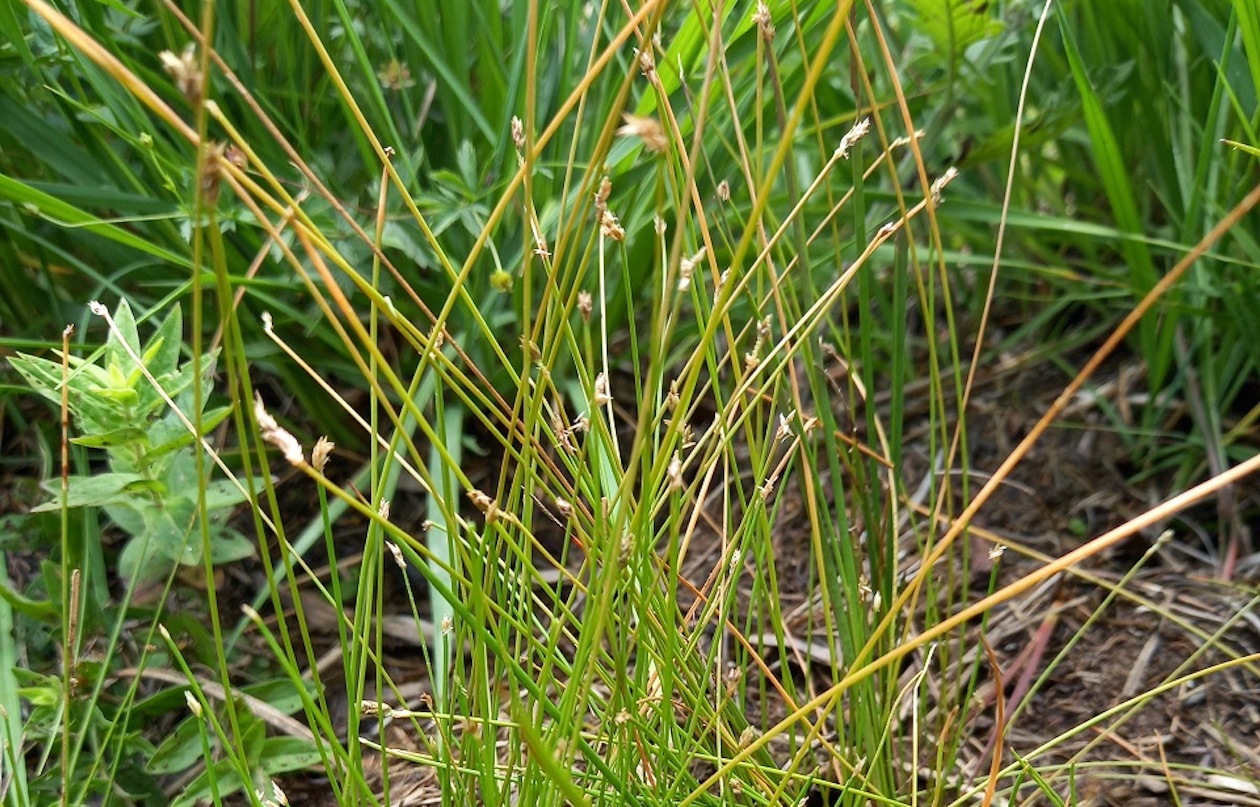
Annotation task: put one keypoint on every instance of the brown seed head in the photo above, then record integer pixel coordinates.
(646, 129)
(185, 70)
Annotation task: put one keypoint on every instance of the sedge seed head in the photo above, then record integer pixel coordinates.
(185, 71)
(501, 281)
(647, 130)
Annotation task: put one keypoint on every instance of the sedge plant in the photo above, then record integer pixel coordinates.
(638, 309)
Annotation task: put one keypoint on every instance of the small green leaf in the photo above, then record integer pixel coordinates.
(253, 736)
(124, 333)
(169, 529)
(160, 450)
(126, 515)
(228, 546)
(466, 159)
(161, 354)
(287, 754)
(222, 494)
(279, 693)
(40, 610)
(126, 436)
(227, 781)
(180, 750)
(41, 375)
(138, 562)
(89, 491)
(121, 395)
(176, 384)
(38, 689)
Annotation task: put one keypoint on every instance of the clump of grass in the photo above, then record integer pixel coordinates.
(643, 338)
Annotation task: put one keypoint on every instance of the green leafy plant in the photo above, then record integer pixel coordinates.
(134, 402)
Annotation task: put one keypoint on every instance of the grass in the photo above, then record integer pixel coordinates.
(684, 363)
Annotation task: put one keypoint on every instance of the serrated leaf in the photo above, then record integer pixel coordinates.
(953, 25)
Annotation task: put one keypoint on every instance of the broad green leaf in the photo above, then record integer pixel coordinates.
(89, 491)
(126, 515)
(180, 750)
(279, 693)
(169, 529)
(166, 436)
(228, 546)
(274, 755)
(287, 754)
(140, 564)
(126, 436)
(222, 494)
(253, 733)
(226, 782)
